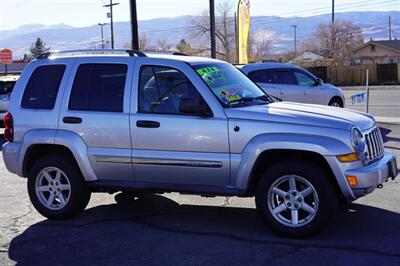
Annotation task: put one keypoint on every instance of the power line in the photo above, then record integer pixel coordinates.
(257, 20)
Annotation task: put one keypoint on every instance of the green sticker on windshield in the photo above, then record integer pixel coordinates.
(207, 70)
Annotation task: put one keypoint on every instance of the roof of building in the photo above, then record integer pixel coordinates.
(389, 44)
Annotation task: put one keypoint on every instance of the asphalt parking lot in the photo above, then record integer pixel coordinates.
(174, 229)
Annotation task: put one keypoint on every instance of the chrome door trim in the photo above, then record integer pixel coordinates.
(157, 161)
(112, 159)
(172, 162)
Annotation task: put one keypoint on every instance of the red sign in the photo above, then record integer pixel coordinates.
(5, 56)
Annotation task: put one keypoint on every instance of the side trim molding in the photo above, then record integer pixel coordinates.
(172, 162)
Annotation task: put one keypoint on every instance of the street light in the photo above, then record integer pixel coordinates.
(295, 40)
(102, 36)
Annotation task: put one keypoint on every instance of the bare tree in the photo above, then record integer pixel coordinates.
(339, 38)
(224, 30)
(259, 46)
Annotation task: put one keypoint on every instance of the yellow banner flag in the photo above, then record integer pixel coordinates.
(243, 29)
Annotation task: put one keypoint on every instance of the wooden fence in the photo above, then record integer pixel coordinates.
(379, 74)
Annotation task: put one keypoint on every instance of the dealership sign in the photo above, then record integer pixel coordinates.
(5, 56)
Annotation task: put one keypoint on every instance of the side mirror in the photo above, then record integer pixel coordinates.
(194, 107)
(318, 82)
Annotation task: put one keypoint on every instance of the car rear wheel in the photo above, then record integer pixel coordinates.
(295, 198)
(56, 187)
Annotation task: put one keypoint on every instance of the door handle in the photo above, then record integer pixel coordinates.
(305, 92)
(147, 123)
(281, 92)
(72, 120)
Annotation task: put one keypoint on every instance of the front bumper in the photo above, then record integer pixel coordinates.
(370, 176)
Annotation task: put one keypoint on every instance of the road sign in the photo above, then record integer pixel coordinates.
(5, 56)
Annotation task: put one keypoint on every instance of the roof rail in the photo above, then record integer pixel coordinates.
(93, 51)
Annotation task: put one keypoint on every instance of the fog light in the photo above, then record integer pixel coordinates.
(352, 180)
(347, 158)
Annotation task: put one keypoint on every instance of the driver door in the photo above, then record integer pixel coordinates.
(169, 146)
(309, 91)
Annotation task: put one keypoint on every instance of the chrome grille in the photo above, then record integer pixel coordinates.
(374, 141)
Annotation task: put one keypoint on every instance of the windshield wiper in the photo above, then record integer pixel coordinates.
(250, 99)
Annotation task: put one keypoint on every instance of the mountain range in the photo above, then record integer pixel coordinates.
(278, 29)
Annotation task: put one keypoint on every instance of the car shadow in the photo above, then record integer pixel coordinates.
(154, 230)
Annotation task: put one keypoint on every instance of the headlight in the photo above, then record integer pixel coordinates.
(359, 145)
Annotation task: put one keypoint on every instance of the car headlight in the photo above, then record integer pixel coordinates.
(359, 144)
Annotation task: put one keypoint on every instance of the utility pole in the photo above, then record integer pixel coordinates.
(236, 39)
(390, 28)
(295, 40)
(134, 26)
(111, 21)
(102, 36)
(212, 29)
(333, 11)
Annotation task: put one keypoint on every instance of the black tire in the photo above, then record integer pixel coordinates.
(314, 174)
(79, 193)
(337, 102)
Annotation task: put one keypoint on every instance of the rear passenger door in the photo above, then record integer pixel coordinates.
(96, 107)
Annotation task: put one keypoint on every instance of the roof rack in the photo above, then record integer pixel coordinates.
(92, 51)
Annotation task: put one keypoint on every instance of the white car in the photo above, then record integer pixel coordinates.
(6, 86)
(294, 84)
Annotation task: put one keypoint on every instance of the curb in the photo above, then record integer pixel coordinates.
(373, 88)
(387, 120)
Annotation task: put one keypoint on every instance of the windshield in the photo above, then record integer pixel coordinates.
(230, 85)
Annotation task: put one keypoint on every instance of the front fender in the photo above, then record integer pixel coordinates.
(325, 146)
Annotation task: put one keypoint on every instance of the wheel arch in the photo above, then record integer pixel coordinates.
(264, 149)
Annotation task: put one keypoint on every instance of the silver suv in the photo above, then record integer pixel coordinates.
(111, 120)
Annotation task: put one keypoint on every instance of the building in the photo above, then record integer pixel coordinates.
(376, 52)
(309, 58)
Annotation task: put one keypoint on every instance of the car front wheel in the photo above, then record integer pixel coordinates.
(295, 198)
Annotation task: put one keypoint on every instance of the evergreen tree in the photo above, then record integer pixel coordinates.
(37, 48)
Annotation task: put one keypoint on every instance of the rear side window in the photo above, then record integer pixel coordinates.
(42, 87)
(99, 87)
(262, 76)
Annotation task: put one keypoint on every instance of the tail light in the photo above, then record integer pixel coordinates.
(8, 127)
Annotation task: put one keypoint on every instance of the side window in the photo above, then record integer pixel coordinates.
(304, 79)
(99, 87)
(285, 76)
(162, 88)
(42, 87)
(263, 76)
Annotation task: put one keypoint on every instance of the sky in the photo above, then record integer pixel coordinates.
(79, 13)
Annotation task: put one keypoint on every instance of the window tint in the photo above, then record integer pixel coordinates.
(162, 88)
(285, 76)
(304, 79)
(264, 76)
(42, 87)
(98, 87)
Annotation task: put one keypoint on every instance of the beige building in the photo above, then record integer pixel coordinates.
(377, 52)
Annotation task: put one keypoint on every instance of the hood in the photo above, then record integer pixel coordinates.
(306, 114)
